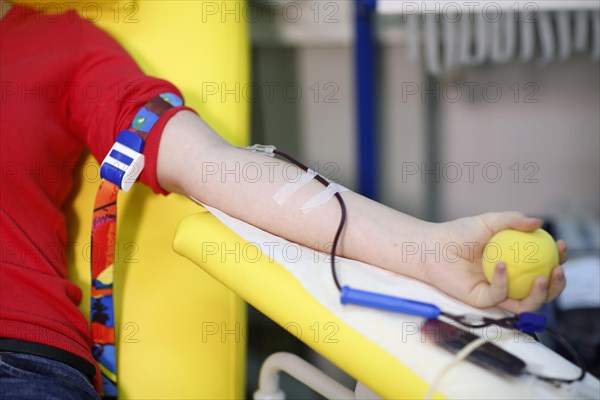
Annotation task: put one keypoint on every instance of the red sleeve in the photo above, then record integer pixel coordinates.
(107, 91)
(148, 175)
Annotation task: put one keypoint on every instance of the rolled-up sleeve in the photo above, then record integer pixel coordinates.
(107, 91)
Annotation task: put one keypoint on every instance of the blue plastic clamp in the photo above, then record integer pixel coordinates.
(388, 303)
(531, 323)
(125, 161)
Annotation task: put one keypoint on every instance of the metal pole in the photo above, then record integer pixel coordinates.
(365, 94)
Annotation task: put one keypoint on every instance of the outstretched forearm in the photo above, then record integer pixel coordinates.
(194, 160)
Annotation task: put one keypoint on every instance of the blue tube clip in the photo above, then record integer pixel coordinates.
(388, 303)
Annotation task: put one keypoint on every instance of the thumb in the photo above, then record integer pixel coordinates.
(499, 221)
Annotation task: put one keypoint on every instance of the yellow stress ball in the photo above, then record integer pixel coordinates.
(527, 255)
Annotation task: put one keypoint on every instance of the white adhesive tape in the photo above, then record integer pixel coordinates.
(292, 187)
(323, 197)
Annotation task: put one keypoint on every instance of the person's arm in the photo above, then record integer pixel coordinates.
(194, 160)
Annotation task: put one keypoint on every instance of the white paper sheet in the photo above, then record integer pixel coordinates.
(399, 334)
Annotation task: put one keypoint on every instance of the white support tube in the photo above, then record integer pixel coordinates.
(414, 38)
(565, 40)
(582, 25)
(482, 40)
(450, 42)
(596, 36)
(546, 35)
(527, 38)
(432, 45)
(504, 39)
(268, 381)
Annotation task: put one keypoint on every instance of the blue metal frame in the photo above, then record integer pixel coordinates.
(366, 98)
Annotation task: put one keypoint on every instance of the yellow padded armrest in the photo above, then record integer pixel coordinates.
(268, 286)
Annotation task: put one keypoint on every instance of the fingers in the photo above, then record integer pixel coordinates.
(499, 287)
(497, 291)
(540, 293)
(557, 277)
(537, 297)
(562, 251)
(557, 282)
(527, 224)
(513, 220)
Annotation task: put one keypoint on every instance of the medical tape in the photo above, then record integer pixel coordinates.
(292, 187)
(323, 197)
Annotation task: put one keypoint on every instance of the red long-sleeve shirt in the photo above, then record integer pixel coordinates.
(66, 85)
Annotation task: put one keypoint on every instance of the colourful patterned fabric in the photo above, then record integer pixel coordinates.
(104, 232)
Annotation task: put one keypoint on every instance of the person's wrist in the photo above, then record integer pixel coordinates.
(449, 249)
(419, 254)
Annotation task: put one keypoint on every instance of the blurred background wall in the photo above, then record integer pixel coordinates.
(511, 137)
